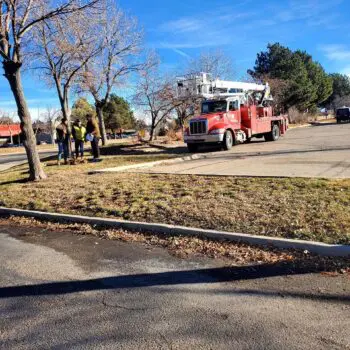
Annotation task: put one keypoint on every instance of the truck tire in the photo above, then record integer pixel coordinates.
(192, 147)
(228, 140)
(274, 134)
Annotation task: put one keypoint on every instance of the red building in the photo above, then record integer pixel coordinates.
(10, 133)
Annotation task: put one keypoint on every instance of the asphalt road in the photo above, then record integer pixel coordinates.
(64, 291)
(317, 151)
(9, 160)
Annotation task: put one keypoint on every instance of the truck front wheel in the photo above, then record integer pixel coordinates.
(192, 147)
(274, 134)
(228, 140)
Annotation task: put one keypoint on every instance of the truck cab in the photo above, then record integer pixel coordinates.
(218, 116)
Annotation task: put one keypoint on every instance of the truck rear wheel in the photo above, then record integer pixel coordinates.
(274, 134)
(228, 140)
(192, 147)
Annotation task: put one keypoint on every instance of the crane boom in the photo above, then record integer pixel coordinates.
(203, 85)
(223, 84)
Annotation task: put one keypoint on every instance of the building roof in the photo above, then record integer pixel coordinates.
(11, 129)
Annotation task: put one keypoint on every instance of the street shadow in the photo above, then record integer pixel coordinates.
(325, 124)
(192, 277)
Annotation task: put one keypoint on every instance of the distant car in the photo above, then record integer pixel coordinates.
(343, 114)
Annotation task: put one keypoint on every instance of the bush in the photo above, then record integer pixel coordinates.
(296, 117)
(174, 135)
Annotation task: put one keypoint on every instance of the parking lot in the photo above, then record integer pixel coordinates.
(315, 151)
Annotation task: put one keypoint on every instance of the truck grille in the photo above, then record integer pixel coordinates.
(198, 127)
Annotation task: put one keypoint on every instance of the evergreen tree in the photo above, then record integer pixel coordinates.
(81, 108)
(306, 83)
(341, 88)
(118, 114)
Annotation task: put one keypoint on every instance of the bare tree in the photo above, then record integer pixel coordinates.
(186, 109)
(184, 106)
(63, 49)
(18, 19)
(155, 97)
(341, 101)
(120, 41)
(216, 63)
(5, 119)
(51, 118)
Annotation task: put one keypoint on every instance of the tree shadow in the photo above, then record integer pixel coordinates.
(135, 150)
(171, 278)
(17, 181)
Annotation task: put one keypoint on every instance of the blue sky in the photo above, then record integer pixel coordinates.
(180, 30)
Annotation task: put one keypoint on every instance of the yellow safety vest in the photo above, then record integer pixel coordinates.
(79, 132)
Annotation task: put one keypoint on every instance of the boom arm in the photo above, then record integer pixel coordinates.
(203, 85)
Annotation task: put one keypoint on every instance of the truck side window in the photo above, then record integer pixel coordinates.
(233, 106)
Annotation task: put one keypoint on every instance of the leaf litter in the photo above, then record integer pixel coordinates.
(235, 254)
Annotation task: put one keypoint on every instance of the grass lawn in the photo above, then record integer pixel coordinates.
(312, 209)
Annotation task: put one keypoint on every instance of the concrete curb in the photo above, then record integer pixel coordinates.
(311, 246)
(151, 164)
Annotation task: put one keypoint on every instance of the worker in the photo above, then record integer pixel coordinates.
(63, 139)
(79, 132)
(93, 135)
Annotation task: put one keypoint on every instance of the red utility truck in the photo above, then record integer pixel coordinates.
(231, 112)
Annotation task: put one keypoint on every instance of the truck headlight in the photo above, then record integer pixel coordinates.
(217, 131)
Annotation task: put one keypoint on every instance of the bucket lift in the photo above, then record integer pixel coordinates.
(203, 85)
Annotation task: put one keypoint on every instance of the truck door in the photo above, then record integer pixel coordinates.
(234, 113)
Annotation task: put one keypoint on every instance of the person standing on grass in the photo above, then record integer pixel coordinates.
(63, 139)
(79, 132)
(93, 135)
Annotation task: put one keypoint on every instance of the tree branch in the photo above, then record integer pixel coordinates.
(59, 11)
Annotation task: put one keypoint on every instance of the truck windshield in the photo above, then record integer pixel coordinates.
(214, 106)
(343, 112)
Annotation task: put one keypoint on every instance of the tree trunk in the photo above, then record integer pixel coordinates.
(99, 112)
(151, 134)
(13, 75)
(67, 114)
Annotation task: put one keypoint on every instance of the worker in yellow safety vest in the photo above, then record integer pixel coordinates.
(79, 132)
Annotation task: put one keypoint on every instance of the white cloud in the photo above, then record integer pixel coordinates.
(336, 52)
(182, 53)
(204, 29)
(312, 12)
(36, 107)
(229, 24)
(193, 43)
(182, 25)
(346, 71)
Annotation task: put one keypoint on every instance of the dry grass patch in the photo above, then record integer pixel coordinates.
(312, 209)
